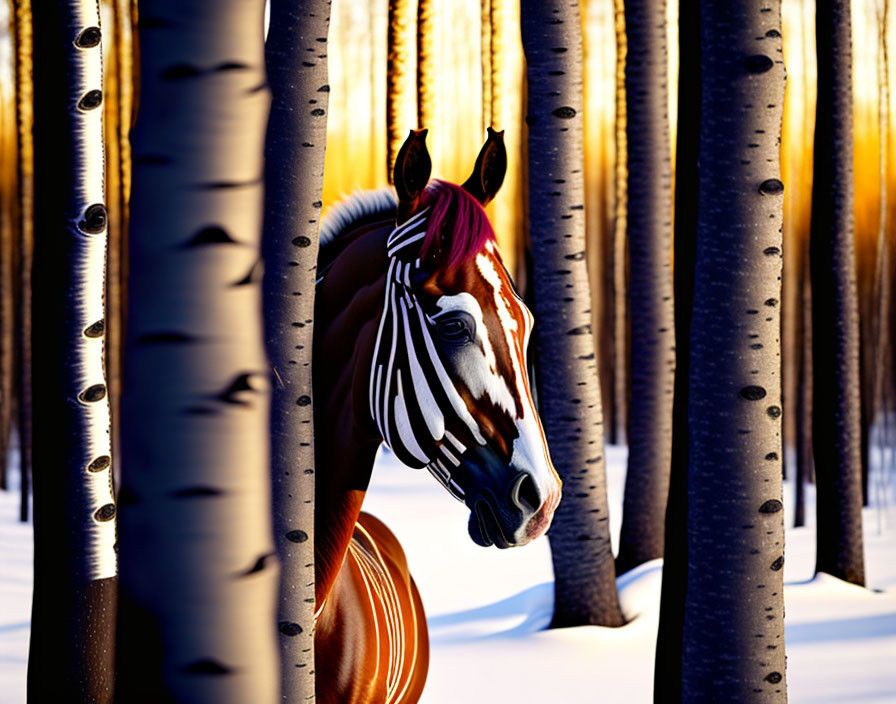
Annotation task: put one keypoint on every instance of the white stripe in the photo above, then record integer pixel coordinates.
(384, 428)
(458, 445)
(456, 490)
(405, 243)
(406, 226)
(442, 472)
(457, 403)
(432, 414)
(379, 379)
(403, 424)
(451, 458)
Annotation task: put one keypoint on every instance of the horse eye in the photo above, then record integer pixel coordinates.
(457, 329)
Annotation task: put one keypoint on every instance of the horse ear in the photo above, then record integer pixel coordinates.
(491, 165)
(411, 173)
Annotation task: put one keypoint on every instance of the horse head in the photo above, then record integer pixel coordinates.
(449, 386)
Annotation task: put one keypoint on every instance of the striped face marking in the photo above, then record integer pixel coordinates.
(449, 387)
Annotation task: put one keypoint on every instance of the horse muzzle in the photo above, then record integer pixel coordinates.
(507, 508)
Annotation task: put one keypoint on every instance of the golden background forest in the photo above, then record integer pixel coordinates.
(478, 69)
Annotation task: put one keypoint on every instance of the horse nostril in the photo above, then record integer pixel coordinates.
(524, 493)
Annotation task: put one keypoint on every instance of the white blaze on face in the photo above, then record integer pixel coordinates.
(530, 447)
(476, 364)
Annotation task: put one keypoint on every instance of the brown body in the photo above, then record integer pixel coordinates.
(371, 643)
(371, 638)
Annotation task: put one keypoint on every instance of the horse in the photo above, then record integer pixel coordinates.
(420, 343)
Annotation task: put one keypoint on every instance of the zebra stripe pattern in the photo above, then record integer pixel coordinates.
(407, 373)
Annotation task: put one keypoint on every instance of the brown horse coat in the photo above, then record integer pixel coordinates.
(371, 638)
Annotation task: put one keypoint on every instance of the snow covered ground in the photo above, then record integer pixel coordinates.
(487, 609)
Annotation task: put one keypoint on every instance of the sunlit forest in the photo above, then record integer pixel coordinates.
(479, 81)
(398, 85)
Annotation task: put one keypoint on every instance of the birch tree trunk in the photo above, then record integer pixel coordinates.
(198, 573)
(296, 57)
(584, 573)
(733, 648)
(649, 234)
(836, 421)
(73, 610)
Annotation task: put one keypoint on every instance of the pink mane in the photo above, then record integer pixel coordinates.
(457, 220)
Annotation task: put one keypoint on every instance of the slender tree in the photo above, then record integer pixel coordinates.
(73, 609)
(25, 244)
(198, 572)
(584, 573)
(733, 646)
(496, 63)
(804, 470)
(492, 62)
(398, 48)
(882, 288)
(485, 49)
(836, 422)
(425, 65)
(618, 383)
(649, 234)
(667, 668)
(7, 291)
(119, 114)
(296, 59)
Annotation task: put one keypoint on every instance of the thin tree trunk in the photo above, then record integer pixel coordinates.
(485, 49)
(649, 235)
(523, 274)
(198, 569)
(882, 288)
(804, 393)
(73, 610)
(294, 176)
(836, 422)
(668, 661)
(25, 249)
(584, 573)
(734, 606)
(426, 108)
(400, 21)
(7, 291)
(496, 63)
(618, 258)
(798, 154)
(111, 115)
(119, 116)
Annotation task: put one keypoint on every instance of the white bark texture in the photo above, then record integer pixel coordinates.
(73, 607)
(198, 571)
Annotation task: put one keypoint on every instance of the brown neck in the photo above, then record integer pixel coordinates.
(348, 306)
